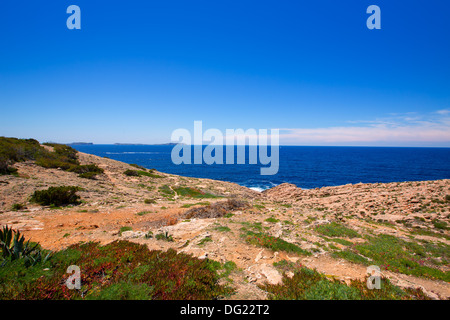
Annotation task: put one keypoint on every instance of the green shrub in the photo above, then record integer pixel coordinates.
(14, 150)
(438, 224)
(88, 175)
(276, 244)
(57, 196)
(204, 240)
(164, 236)
(149, 174)
(188, 205)
(17, 207)
(118, 270)
(80, 169)
(350, 256)
(222, 229)
(131, 173)
(149, 201)
(335, 229)
(307, 284)
(123, 290)
(14, 247)
(139, 173)
(137, 166)
(141, 213)
(63, 156)
(166, 191)
(88, 171)
(123, 229)
(342, 241)
(397, 255)
(192, 193)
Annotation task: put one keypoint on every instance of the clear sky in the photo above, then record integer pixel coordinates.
(137, 70)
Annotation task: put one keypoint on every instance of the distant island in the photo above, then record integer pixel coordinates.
(122, 144)
(144, 144)
(81, 143)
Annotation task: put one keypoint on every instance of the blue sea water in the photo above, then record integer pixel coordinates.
(306, 167)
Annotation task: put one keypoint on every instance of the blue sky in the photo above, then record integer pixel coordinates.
(137, 70)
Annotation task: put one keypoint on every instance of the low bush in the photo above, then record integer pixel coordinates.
(57, 196)
(88, 175)
(17, 207)
(123, 229)
(140, 173)
(137, 166)
(14, 150)
(86, 168)
(307, 284)
(164, 236)
(193, 193)
(13, 247)
(216, 210)
(88, 171)
(276, 244)
(118, 270)
(63, 156)
(398, 255)
(131, 173)
(335, 229)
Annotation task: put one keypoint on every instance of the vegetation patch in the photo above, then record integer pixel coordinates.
(439, 224)
(350, 256)
(119, 270)
(166, 191)
(138, 166)
(143, 213)
(307, 284)
(57, 196)
(188, 205)
(335, 229)
(88, 171)
(216, 210)
(261, 239)
(17, 207)
(140, 173)
(204, 240)
(131, 173)
(193, 193)
(14, 150)
(222, 229)
(164, 236)
(394, 254)
(123, 229)
(342, 241)
(13, 247)
(63, 156)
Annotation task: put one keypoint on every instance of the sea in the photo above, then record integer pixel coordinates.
(306, 167)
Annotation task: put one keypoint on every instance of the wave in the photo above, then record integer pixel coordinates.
(257, 189)
(260, 187)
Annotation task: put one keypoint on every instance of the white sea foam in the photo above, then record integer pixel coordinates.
(257, 189)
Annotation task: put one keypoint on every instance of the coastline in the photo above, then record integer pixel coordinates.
(404, 210)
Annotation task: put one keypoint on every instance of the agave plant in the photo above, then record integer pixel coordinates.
(13, 247)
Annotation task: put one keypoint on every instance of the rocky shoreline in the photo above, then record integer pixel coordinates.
(414, 212)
